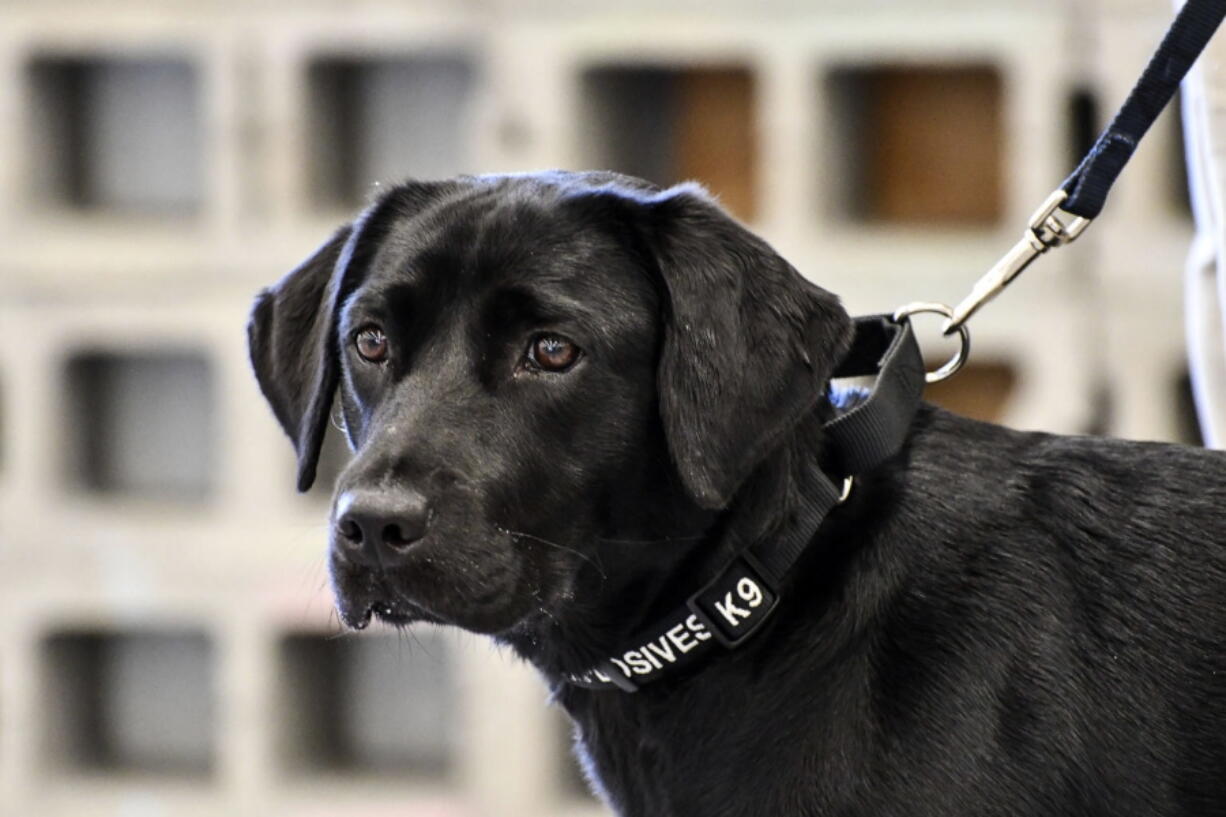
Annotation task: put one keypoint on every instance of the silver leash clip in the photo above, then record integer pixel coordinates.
(1045, 231)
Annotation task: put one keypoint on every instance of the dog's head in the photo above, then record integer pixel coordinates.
(527, 365)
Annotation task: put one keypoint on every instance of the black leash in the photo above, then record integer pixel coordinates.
(1188, 35)
(1083, 194)
(731, 607)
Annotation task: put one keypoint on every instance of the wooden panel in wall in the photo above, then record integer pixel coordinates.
(668, 124)
(933, 144)
(979, 390)
(716, 139)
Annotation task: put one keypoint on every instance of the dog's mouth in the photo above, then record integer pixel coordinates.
(363, 598)
(397, 615)
(486, 590)
(358, 607)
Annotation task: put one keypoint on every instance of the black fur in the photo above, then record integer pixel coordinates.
(996, 622)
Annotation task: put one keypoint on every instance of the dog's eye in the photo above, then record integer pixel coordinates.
(553, 353)
(371, 344)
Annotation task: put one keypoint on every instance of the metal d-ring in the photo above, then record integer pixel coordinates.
(964, 336)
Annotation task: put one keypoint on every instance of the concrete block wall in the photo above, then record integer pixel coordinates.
(166, 642)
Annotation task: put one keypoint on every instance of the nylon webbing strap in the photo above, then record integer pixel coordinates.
(887, 347)
(731, 607)
(1089, 184)
(866, 435)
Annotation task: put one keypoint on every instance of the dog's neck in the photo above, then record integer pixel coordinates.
(652, 565)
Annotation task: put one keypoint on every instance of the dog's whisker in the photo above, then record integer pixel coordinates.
(309, 577)
(412, 633)
(660, 541)
(521, 535)
(408, 628)
(338, 630)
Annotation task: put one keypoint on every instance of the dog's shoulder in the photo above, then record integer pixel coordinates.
(947, 446)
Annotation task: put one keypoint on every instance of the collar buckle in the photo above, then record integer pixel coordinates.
(735, 604)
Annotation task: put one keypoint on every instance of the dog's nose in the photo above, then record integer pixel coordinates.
(377, 528)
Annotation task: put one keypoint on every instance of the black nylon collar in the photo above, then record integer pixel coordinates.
(730, 608)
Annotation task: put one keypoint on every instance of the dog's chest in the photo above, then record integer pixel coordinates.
(711, 751)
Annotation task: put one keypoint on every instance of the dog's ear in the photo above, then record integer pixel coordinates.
(748, 345)
(291, 338)
(292, 331)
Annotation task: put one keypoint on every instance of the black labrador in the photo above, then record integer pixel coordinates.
(571, 395)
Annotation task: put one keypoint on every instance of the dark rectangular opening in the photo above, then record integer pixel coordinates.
(916, 144)
(129, 702)
(374, 704)
(1187, 416)
(116, 134)
(1084, 125)
(382, 120)
(141, 424)
(668, 125)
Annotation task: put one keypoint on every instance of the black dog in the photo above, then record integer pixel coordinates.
(573, 397)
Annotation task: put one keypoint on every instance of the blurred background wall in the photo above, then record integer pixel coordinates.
(166, 640)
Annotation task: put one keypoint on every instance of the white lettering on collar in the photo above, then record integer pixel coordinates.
(681, 638)
(647, 658)
(661, 648)
(749, 593)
